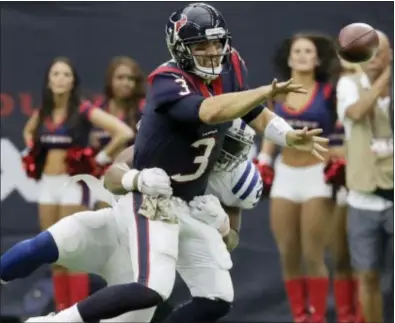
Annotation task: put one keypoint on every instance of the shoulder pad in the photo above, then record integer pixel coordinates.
(247, 185)
(169, 68)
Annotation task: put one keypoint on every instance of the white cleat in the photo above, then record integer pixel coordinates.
(41, 319)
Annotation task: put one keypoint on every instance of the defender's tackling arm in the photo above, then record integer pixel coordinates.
(114, 176)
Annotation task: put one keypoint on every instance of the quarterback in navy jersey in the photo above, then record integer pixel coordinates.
(189, 107)
(187, 111)
(172, 135)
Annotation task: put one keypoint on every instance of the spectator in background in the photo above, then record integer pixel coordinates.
(363, 107)
(300, 198)
(124, 95)
(343, 284)
(63, 123)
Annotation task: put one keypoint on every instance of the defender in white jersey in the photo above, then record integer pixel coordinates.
(94, 242)
(235, 180)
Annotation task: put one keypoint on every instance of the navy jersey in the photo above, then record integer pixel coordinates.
(61, 135)
(171, 135)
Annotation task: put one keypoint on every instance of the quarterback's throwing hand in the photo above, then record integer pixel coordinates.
(308, 140)
(281, 89)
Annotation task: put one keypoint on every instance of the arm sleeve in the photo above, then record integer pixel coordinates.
(257, 110)
(173, 95)
(347, 94)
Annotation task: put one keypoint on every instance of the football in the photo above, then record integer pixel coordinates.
(358, 42)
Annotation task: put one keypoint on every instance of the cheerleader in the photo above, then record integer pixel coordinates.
(57, 135)
(300, 198)
(124, 95)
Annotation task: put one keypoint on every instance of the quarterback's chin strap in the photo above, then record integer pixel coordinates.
(96, 186)
(276, 131)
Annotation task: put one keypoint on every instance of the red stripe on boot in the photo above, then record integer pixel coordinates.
(295, 289)
(343, 290)
(317, 288)
(60, 283)
(79, 287)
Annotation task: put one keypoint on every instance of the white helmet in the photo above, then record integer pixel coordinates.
(237, 144)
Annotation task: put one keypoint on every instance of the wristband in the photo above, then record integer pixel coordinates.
(276, 131)
(265, 159)
(102, 158)
(130, 180)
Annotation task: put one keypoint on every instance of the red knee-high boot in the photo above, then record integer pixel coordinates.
(79, 287)
(60, 283)
(297, 299)
(317, 290)
(343, 290)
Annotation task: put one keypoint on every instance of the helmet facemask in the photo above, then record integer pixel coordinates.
(212, 72)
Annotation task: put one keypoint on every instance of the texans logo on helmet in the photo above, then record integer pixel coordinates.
(180, 23)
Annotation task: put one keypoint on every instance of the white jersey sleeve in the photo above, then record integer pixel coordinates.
(241, 187)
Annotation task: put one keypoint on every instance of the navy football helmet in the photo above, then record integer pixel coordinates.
(195, 23)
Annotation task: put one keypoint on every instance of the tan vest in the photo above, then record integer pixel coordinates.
(370, 151)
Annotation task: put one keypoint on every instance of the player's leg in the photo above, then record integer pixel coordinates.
(103, 251)
(203, 264)
(75, 198)
(343, 284)
(119, 270)
(154, 248)
(365, 238)
(72, 242)
(87, 242)
(285, 225)
(26, 256)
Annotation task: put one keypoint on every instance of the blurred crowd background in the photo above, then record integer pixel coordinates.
(91, 34)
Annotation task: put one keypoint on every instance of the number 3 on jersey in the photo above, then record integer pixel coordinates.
(201, 160)
(185, 89)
